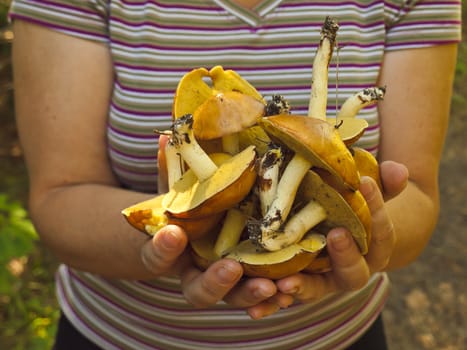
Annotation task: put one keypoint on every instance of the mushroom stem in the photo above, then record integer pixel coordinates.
(230, 143)
(297, 226)
(174, 163)
(285, 195)
(190, 150)
(229, 235)
(268, 176)
(361, 99)
(319, 81)
(234, 223)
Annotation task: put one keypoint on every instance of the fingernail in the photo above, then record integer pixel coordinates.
(170, 240)
(366, 186)
(261, 293)
(340, 240)
(291, 291)
(227, 274)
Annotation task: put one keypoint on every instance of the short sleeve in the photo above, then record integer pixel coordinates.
(83, 18)
(421, 23)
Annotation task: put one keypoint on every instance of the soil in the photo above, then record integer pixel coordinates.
(427, 308)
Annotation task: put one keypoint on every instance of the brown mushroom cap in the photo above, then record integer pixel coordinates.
(339, 212)
(273, 265)
(232, 181)
(149, 216)
(281, 263)
(349, 129)
(367, 165)
(192, 90)
(226, 113)
(317, 141)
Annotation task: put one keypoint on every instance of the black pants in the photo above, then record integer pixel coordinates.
(68, 338)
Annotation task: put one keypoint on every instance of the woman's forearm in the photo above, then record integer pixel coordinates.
(83, 227)
(414, 214)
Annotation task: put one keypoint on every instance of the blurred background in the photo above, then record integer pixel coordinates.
(427, 308)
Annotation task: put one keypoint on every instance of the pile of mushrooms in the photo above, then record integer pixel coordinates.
(251, 181)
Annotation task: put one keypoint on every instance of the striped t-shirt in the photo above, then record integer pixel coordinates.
(153, 43)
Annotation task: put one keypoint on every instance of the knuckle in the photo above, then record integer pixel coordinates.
(384, 237)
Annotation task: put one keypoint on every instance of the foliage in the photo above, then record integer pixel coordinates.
(21, 291)
(17, 236)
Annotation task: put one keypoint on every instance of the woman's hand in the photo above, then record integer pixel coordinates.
(262, 297)
(165, 254)
(351, 270)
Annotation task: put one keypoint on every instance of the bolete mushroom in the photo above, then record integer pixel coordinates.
(306, 177)
(149, 217)
(199, 84)
(261, 263)
(366, 163)
(275, 265)
(315, 140)
(210, 186)
(206, 188)
(224, 115)
(349, 127)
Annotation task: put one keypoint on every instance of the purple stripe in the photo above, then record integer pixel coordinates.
(434, 3)
(134, 135)
(188, 7)
(259, 88)
(373, 127)
(366, 324)
(68, 7)
(180, 71)
(349, 320)
(82, 322)
(140, 113)
(423, 43)
(428, 23)
(141, 90)
(326, 4)
(219, 49)
(143, 301)
(131, 156)
(132, 296)
(267, 337)
(122, 330)
(307, 25)
(58, 27)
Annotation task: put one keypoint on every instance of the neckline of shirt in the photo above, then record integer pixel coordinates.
(253, 16)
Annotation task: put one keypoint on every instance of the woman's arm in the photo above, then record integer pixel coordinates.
(414, 117)
(62, 92)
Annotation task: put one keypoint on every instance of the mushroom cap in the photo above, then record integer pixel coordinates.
(281, 263)
(191, 92)
(230, 80)
(231, 182)
(194, 88)
(149, 217)
(273, 265)
(367, 165)
(315, 140)
(226, 113)
(349, 129)
(339, 212)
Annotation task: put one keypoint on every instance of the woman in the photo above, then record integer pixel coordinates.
(94, 78)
